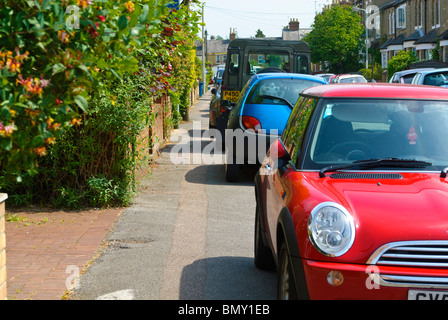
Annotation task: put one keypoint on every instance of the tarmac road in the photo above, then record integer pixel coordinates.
(189, 234)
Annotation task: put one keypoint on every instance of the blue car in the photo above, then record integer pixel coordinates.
(260, 116)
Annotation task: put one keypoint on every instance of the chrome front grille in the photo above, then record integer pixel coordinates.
(424, 254)
(413, 254)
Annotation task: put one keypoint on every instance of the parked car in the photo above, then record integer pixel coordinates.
(351, 201)
(406, 76)
(436, 77)
(218, 77)
(215, 107)
(260, 115)
(332, 78)
(326, 76)
(350, 78)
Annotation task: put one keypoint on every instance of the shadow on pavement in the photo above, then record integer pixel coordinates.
(216, 175)
(226, 278)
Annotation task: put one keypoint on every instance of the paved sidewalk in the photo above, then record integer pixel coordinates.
(46, 250)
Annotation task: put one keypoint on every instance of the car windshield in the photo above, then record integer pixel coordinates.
(437, 79)
(288, 89)
(351, 130)
(260, 59)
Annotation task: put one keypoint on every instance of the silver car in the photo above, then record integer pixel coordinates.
(406, 76)
(436, 77)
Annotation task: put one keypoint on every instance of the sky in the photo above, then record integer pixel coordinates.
(247, 16)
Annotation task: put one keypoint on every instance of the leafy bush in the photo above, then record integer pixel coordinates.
(78, 82)
(400, 62)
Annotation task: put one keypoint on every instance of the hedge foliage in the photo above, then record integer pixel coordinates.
(79, 78)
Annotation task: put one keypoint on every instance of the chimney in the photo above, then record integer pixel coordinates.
(294, 25)
(232, 34)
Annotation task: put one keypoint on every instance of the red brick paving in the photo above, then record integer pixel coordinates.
(45, 248)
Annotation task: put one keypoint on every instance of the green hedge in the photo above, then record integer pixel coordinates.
(78, 80)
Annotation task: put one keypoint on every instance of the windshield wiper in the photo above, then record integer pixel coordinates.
(267, 96)
(372, 163)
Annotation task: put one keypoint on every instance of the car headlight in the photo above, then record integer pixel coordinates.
(331, 229)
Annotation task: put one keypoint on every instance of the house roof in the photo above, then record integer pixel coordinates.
(397, 40)
(415, 36)
(430, 37)
(386, 44)
(444, 36)
(391, 3)
(217, 46)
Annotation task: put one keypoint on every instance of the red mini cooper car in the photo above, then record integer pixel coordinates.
(352, 200)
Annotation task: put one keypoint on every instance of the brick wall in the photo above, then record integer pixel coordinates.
(3, 198)
(161, 108)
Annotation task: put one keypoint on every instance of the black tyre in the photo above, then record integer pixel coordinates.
(232, 172)
(262, 254)
(286, 288)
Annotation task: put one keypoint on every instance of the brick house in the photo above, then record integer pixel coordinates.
(417, 25)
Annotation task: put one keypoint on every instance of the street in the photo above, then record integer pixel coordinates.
(188, 235)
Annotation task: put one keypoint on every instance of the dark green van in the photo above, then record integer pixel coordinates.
(246, 57)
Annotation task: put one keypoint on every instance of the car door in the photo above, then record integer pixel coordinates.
(276, 186)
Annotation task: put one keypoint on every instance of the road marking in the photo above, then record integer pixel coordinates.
(118, 295)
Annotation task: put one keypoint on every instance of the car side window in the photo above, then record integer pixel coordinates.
(303, 64)
(297, 124)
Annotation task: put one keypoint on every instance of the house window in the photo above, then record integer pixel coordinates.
(436, 14)
(218, 58)
(401, 17)
(419, 14)
(392, 23)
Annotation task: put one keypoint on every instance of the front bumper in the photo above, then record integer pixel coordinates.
(371, 281)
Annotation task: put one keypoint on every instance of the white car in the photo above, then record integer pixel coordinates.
(350, 78)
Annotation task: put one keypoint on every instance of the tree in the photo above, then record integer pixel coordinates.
(259, 34)
(336, 39)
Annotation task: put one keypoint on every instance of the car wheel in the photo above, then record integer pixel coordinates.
(262, 255)
(286, 289)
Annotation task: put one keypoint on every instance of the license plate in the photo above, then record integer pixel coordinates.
(231, 95)
(427, 295)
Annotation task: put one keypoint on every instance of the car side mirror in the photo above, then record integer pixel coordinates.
(278, 154)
